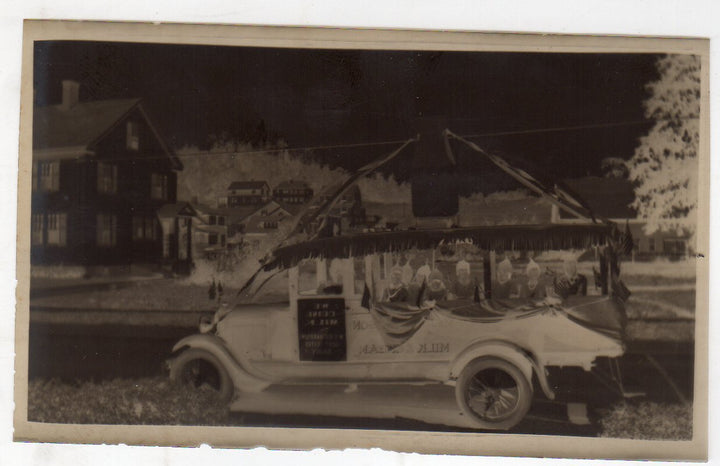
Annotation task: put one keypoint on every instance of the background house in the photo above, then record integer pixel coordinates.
(177, 228)
(209, 237)
(100, 173)
(293, 192)
(265, 222)
(611, 198)
(241, 193)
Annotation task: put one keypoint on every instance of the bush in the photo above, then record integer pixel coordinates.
(153, 400)
(648, 421)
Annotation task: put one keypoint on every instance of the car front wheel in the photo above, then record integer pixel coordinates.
(494, 393)
(195, 368)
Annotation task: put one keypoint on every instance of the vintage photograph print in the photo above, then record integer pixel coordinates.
(432, 242)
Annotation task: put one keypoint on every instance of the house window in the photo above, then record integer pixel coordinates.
(133, 136)
(158, 186)
(674, 246)
(149, 228)
(50, 176)
(107, 178)
(37, 229)
(222, 240)
(212, 239)
(138, 228)
(221, 220)
(57, 229)
(144, 228)
(106, 230)
(651, 244)
(270, 225)
(212, 220)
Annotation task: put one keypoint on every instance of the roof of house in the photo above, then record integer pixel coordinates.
(173, 210)
(292, 209)
(238, 214)
(209, 210)
(607, 197)
(84, 124)
(247, 184)
(80, 125)
(292, 184)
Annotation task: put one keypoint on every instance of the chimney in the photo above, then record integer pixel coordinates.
(70, 94)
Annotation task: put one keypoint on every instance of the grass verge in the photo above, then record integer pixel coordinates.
(647, 421)
(153, 400)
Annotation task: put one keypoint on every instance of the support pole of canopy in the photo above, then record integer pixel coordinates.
(487, 273)
(299, 226)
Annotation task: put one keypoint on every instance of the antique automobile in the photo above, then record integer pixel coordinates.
(364, 309)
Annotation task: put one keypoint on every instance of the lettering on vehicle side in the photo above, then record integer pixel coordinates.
(379, 349)
(420, 348)
(433, 348)
(362, 325)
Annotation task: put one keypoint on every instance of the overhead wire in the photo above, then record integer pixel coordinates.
(216, 153)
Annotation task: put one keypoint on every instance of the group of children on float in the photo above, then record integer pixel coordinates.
(407, 285)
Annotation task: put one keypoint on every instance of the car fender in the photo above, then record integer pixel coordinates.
(503, 350)
(242, 379)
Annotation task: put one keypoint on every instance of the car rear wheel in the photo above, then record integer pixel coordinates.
(195, 368)
(494, 393)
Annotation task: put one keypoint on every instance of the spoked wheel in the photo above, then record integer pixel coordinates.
(494, 393)
(195, 368)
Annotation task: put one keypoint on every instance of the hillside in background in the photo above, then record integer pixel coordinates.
(206, 175)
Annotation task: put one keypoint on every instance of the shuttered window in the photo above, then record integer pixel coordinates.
(107, 178)
(50, 176)
(37, 229)
(158, 188)
(106, 230)
(57, 229)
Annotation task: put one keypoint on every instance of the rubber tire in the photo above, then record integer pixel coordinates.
(525, 392)
(226, 390)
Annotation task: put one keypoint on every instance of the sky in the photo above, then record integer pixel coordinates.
(558, 114)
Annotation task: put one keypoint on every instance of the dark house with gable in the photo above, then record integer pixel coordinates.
(100, 173)
(611, 199)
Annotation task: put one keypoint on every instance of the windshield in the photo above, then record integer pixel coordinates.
(271, 287)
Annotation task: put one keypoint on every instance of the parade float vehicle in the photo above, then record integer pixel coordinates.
(319, 313)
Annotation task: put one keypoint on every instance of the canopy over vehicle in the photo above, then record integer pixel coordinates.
(360, 308)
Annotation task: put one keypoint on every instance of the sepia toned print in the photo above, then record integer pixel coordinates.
(364, 241)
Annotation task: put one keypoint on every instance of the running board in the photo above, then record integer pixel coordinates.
(316, 381)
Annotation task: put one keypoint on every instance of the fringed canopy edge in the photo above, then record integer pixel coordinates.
(513, 237)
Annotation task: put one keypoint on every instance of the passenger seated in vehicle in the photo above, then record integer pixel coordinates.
(407, 270)
(464, 286)
(415, 288)
(422, 274)
(504, 287)
(396, 291)
(436, 289)
(533, 287)
(571, 282)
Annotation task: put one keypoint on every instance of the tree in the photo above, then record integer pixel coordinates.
(664, 167)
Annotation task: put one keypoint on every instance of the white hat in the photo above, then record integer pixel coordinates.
(462, 265)
(532, 266)
(504, 270)
(422, 273)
